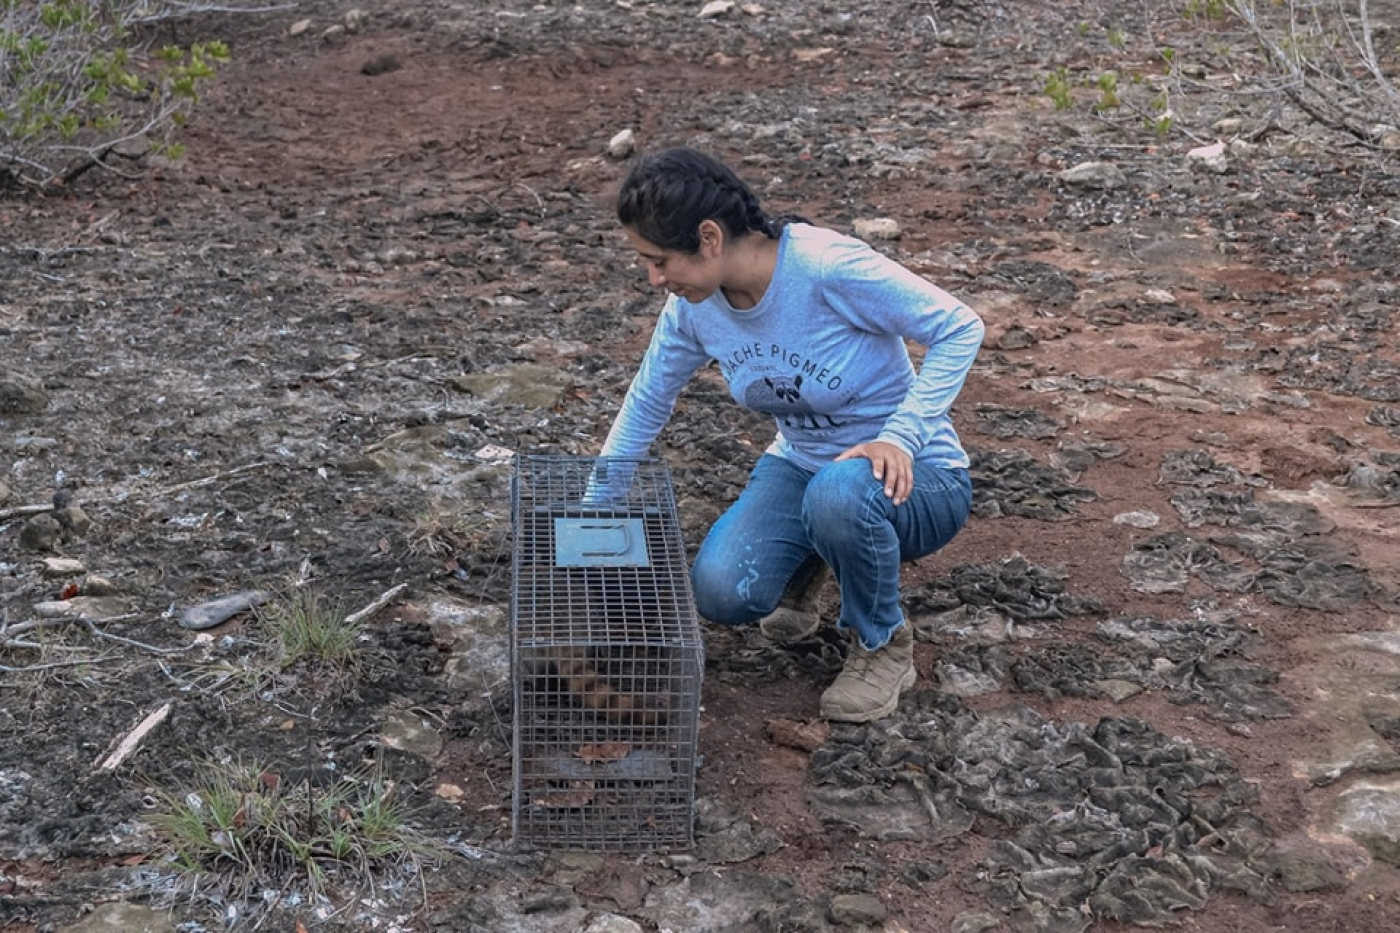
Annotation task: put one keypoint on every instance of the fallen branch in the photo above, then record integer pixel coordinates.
(384, 599)
(133, 738)
(7, 633)
(21, 511)
(33, 668)
(209, 480)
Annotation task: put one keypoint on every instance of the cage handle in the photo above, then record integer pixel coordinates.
(618, 527)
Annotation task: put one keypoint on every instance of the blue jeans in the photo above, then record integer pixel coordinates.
(786, 515)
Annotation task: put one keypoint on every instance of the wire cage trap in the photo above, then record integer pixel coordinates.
(606, 658)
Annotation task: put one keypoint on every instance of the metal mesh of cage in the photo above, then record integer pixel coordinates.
(606, 658)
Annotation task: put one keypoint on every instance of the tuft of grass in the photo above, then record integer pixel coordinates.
(1057, 88)
(307, 627)
(441, 533)
(241, 827)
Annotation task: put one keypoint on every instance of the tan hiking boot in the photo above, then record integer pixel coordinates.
(870, 683)
(799, 614)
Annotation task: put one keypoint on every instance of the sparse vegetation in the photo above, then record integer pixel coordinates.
(308, 628)
(1330, 58)
(85, 83)
(243, 828)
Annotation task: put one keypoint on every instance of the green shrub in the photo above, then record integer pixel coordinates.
(81, 80)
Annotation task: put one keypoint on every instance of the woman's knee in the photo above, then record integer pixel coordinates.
(728, 594)
(836, 500)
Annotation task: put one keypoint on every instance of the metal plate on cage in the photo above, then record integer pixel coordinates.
(600, 542)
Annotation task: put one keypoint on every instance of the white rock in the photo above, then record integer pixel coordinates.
(1159, 296)
(63, 567)
(623, 144)
(716, 8)
(355, 20)
(1210, 158)
(878, 228)
(1137, 519)
(612, 923)
(299, 27)
(1093, 175)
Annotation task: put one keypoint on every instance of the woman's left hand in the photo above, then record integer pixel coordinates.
(889, 464)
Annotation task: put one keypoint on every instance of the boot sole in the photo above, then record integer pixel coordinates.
(905, 682)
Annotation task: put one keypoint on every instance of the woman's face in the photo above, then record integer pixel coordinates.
(692, 276)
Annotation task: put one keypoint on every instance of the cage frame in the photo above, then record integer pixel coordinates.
(601, 598)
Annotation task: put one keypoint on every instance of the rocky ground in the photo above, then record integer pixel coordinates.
(1158, 669)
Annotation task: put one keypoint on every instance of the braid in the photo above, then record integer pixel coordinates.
(668, 194)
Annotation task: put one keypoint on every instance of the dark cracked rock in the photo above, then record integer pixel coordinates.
(1012, 482)
(1114, 819)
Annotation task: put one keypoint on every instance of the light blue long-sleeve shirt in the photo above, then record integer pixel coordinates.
(823, 352)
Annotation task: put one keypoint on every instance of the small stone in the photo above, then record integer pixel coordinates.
(40, 533)
(1305, 872)
(450, 792)
(299, 27)
(858, 910)
(878, 228)
(333, 34)
(1093, 175)
(93, 585)
(612, 923)
(1209, 158)
(55, 609)
(57, 567)
(623, 144)
(1159, 296)
(74, 521)
(1137, 519)
(974, 921)
(1016, 337)
(116, 916)
(21, 394)
(381, 64)
(355, 20)
(406, 731)
(1118, 690)
(716, 8)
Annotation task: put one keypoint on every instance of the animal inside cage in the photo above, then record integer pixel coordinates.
(606, 658)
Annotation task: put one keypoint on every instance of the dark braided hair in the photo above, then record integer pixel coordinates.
(667, 195)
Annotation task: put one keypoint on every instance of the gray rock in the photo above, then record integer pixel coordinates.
(212, 613)
(74, 520)
(40, 533)
(1093, 175)
(612, 923)
(1369, 813)
(21, 394)
(1305, 872)
(974, 921)
(121, 917)
(858, 909)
